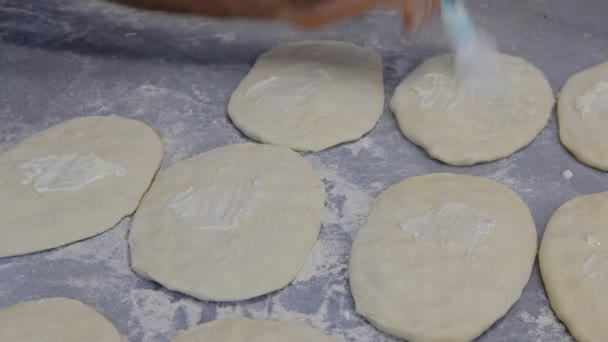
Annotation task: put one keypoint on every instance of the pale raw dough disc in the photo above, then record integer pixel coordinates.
(55, 320)
(310, 95)
(229, 224)
(583, 116)
(574, 265)
(250, 330)
(74, 180)
(442, 257)
(465, 128)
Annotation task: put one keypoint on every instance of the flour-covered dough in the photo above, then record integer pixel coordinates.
(74, 180)
(574, 264)
(241, 329)
(583, 116)
(229, 224)
(55, 320)
(310, 95)
(442, 257)
(463, 127)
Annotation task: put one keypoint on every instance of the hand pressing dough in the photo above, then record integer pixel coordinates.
(310, 95)
(55, 320)
(583, 116)
(74, 180)
(442, 257)
(249, 330)
(229, 224)
(461, 127)
(574, 265)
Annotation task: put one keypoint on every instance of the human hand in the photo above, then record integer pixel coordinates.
(315, 14)
(304, 13)
(417, 13)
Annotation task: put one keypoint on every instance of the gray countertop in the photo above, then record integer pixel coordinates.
(65, 58)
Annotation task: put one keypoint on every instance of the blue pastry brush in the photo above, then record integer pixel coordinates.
(475, 57)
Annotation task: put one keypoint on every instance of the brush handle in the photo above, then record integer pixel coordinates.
(456, 21)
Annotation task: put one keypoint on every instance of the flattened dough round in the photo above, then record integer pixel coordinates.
(574, 265)
(249, 330)
(442, 257)
(55, 320)
(310, 95)
(45, 209)
(583, 116)
(229, 224)
(467, 129)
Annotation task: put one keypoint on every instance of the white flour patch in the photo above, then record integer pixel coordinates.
(545, 327)
(361, 144)
(365, 144)
(156, 313)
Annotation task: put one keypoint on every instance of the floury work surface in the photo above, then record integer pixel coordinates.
(62, 59)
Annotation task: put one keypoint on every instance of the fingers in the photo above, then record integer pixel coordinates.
(417, 13)
(327, 12)
(431, 9)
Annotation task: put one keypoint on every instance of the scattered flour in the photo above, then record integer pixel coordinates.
(226, 37)
(103, 249)
(545, 327)
(156, 314)
(183, 99)
(351, 204)
(365, 144)
(506, 174)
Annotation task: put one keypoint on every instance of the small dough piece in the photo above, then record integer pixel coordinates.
(442, 257)
(74, 180)
(249, 330)
(55, 320)
(583, 116)
(310, 95)
(465, 128)
(229, 224)
(574, 264)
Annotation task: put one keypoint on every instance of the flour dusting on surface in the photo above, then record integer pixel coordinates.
(545, 327)
(157, 313)
(366, 144)
(177, 76)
